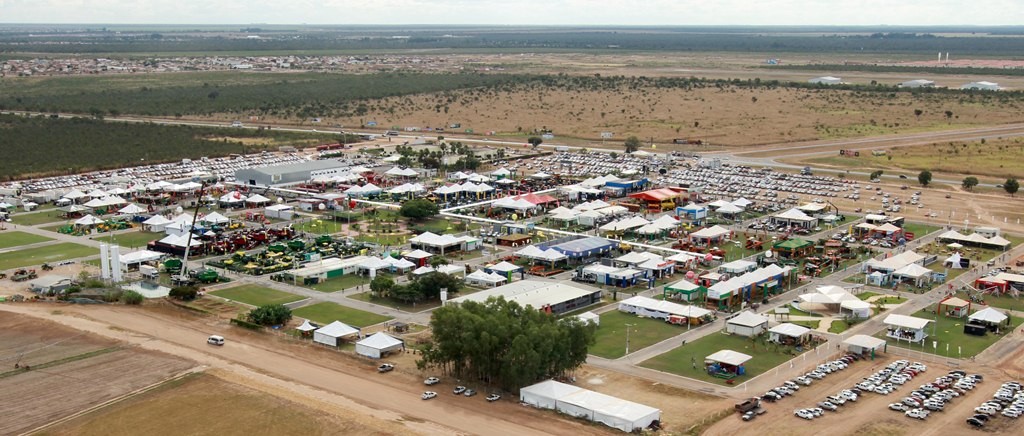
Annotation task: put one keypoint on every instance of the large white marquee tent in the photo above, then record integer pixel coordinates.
(582, 403)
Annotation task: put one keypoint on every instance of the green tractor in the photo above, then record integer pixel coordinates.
(207, 276)
(297, 244)
(172, 265)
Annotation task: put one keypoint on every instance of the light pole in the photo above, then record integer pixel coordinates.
(627, 336)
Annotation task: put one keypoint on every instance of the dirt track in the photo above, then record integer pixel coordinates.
(387, 399)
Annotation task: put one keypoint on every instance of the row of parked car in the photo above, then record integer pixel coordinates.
(933, 397)
(888, 379)
(1007, 401)
(459, 390)
(820, 372)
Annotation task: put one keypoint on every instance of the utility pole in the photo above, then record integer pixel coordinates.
(627, 336)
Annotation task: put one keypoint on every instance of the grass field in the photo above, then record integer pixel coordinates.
(919, 229)
(995, 157)
(400, 305)
(34, 219)
(318, 226)
(1001, 301)
(327, 312)
(389, 240)
(205, 404)
(131, 239)
(679, 360)
(340, 283)
(45, 254)
(610, 340)
(256, 295)
(809, 324)
(950, 331)
(16, 239)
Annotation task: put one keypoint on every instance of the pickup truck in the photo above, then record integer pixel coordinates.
(748, 405)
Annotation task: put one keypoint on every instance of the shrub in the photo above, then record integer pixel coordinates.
(131, 298)
(271, 314)
(183, 293)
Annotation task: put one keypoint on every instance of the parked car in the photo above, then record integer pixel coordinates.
(459, 390)
(803, 413)
(917, 413)
(386, 367)
(975, 422)
(428, 395)
(827, 405)
(493, 397)
(899, 407)
(469, 393)
(748, 416)
(431, 381)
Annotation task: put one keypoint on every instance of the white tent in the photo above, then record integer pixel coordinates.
(659, 309)
(157, 223)
(332, 333)
(378, 344)
(306, 326)
(232, 197)
(747, 323)
(216, 218)
(401, 172)
(859, 308)
(131, 209)
(730, 209)
(571, 400)
(74, 194)
(502, 172)
(137, 257)
(257, 199)
(479, 277)
(729, 357)
(863, 343)
(88, 220)
(788, 330)
(281, 211)
(712, 232)
(988, 315)
(590, 317)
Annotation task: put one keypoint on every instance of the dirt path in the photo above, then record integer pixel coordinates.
(382, 399)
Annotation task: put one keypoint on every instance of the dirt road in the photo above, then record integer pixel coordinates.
(298, 368)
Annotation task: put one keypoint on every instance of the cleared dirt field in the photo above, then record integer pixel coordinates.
(28, 341)
(351, 386)
(42, 395)
(205, 404)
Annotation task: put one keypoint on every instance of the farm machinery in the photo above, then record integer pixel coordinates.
(23, 275)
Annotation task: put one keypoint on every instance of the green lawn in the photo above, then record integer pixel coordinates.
(865, 295)
(611, 335)
(1001, 301)
(256, 295)
(16, 239)
(45, 254)
(32, 219)
(340, 283)
(679, 360)
(919, 229)
(327, 312)
(131, 239)
(949, 331)
(436, 225)
(317, 226)
(839, 326)
(391, 240)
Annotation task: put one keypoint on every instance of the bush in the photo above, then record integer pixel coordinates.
(131, 298)
(246, 324)
(419, 209)
(271, 314)
(184, 293)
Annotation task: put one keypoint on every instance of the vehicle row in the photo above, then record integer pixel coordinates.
(1008, 401)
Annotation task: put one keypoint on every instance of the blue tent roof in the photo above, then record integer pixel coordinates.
(582, 247)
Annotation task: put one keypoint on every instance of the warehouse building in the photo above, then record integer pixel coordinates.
(289, 173)
(552, 297)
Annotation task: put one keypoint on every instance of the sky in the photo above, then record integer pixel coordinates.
(518, 12)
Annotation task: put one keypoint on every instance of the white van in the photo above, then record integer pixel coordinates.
(215, 340)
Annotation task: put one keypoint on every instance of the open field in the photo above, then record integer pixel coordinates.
(327, 312)
(336, 284)
(38, 397)
(44, 254)
(205, 404)
(950, 332)
(15, 239)
(610, 339)
(995, 157)
(32, 219)
(401, 305)
(256, 295)
(680, 360)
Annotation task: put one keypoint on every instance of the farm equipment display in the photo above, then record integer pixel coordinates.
(282, 256)
(24, 274)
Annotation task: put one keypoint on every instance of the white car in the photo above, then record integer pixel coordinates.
(430, 381)
(803, 413)
(986, 410)
(428, 395)
(899, 407)
(1012, 413)
(917, 413)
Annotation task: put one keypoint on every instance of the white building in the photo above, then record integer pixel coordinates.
(918, 83)
(378, 344)
(981, 86)
(747, 323)
(594, 406)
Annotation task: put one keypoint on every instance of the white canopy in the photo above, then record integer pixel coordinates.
(88, 220)
(748, 319)
(374, 263)
(131, 209)
(380, 341)
(330, 333)
(710, 232)
(864, 341)
(306, 326)
(157, 220)
(910, 322)
(729, 208)
(729, 357)
(232, 197)
(216, 218)
(401, 172)
(794, 214)
(139, 257)
(179, 241)
(659, 309)
(988, 315)
(790, 329)
(501, 172)
(483, 277)
(418, 254)
(912, 270)
(74, 194)
(571, 400)
(257, 199)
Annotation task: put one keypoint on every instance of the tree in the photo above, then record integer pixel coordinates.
(418, 209)
(183, 293)
(918, 113)
(1011, 186)
(949, 115)
(436, 261)
(925, 177)
(429, 285)
(969, 182)
(381, 286)
(876, 175)
(535, 141)
(271, 314)
(632, 144)
(504, 343)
